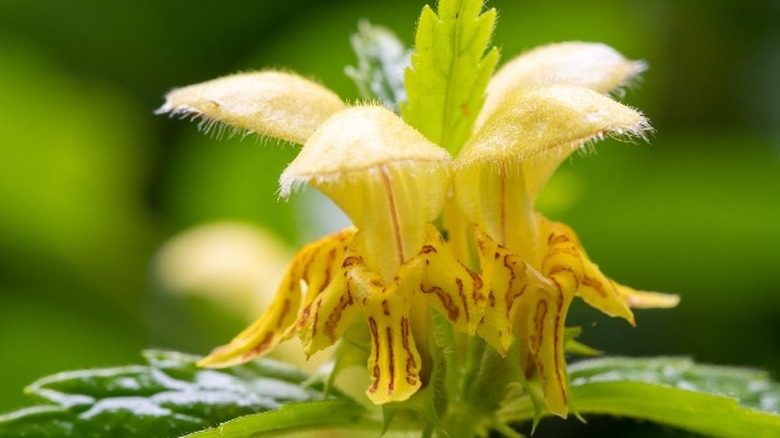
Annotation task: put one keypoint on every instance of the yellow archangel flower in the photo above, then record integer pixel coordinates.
(393, 183)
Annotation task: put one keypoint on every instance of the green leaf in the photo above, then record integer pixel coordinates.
(446, 82)
(711, 400)
(382, 59)
(292, 418)
(166, 398)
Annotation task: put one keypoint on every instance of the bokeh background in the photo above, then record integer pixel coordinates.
(93, 185)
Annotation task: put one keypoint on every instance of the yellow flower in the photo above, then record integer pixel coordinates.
(394, 183)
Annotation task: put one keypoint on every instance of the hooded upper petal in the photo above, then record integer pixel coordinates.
(389, 179)
(592, 65)
(507, 162)
(269, 103)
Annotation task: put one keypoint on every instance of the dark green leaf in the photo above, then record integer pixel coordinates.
(166, 398)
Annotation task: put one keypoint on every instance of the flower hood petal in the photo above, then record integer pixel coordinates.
(593, 65)
(269, 103)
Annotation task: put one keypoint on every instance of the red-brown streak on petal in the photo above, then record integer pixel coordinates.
(391, 383)
(399, 245)
(385, 308)
(560, 268)
(510, 297)
(554, 239)
(496, 255)
(329, 268)
(316, 318)
(557, 331)
(334, 318)
(427, 249)
(283, 313)
(446, 301)
(476, 294)
(491, 299)
(411, 377)
(595, 285)
(260, 348)
(480, 246)
(304, 315)
(463, 299)
(351, 261)
(376, 371)
(539, 315)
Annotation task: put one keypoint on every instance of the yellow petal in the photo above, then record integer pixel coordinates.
(647, 300)
(387, 177)
(446, 284)
(542, 312)
(269, 103)
(313, 265)
(592, 65)
(497, 199)
(548, 121)
(565, 256)
(505, 279)
(394, 363)
(325, 319)
(504, 166)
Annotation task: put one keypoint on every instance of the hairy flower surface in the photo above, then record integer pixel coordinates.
(393, 182)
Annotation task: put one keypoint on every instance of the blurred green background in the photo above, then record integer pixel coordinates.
(92, 183)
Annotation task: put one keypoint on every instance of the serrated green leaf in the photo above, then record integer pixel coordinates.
(166, 398)
(711, 400)
(382, 59)
(446, 82)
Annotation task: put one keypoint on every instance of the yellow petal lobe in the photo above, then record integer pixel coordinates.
(506, 278)
(540, 330)
(593, 65)
(314, 266)
(446, 284)
(565, 256)
(327, 316)
(504, 166)
(269, 103)
(394, 362)
(647, 300)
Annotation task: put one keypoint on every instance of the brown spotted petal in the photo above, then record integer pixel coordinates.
(540, 330)
(394, 362)
(506, 278)
(325, 318)
(314, 266)
(447, 285)
(566, 257)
